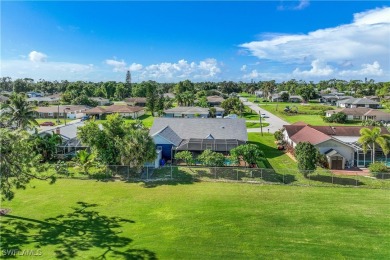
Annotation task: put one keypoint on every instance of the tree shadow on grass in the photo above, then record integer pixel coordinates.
(161, 177)
(336, 180)
(71, 234)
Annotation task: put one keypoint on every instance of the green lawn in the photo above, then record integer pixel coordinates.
(255, 125)
(250, 97)
(75, 219)
(309, 113)
(54, 120)
(249, 114)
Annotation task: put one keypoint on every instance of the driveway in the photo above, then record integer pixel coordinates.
(275, 123)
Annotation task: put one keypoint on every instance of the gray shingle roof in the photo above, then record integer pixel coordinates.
(170, 135)
(188, 110)
(187, 128)
(359, 101)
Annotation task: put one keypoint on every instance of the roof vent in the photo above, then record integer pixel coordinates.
(223, 127)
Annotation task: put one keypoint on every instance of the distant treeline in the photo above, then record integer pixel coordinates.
(119, 90)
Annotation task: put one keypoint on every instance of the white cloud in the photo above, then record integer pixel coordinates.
(373, 69)
(243, 68)
(300, 6)
(205, 69)
(36, 56)
(256, 75)
(318, 68)
(46, 70)
(135, 67)
(363, 41)
(117, 65)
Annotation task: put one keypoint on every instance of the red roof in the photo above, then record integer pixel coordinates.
(114, 109)
(311, 135)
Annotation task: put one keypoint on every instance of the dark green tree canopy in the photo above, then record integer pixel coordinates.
(19, 162)
(307, 157)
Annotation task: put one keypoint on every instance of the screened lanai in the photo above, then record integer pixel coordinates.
(217, 145)
(364, 159)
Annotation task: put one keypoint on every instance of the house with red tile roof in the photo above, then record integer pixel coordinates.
(338, 143)
(123, 110)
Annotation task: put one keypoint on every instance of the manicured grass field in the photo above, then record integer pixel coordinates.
(75, 219)
(54, 120)
(309, 113)
(255, 125)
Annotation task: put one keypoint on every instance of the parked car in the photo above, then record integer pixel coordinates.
(47, 124)
(264, 116)
(231, 116)
(84, 118)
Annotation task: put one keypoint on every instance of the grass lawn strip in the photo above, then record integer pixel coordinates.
(197, 221)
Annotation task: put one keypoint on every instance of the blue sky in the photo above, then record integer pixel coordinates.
(200, 41)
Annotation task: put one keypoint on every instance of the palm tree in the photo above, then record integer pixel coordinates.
(85, 160)
(19, 112)
(373, 137)
(46, 145)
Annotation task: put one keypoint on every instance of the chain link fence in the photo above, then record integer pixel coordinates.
(190, 174)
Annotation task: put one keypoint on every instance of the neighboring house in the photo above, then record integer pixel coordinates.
(259, 93)
(374, 98)
(295, 99)
(71, 111)
(3, 99)
(34, 94)
(172, 135)
(191, 112)
(358, 102)
(169, 95)
(338, 143)
(123, 110)
(136, 101)
(101, 101)
(292, 98)
(332, 99)
(70, 143)
(362, 113)
(214, 100)
(50, 100)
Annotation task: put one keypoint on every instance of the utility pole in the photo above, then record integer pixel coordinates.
(261, 125)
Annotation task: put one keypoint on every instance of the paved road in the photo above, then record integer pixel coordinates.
(275, 123)
(46, 128)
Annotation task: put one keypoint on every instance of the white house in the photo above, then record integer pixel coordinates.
(338, 143)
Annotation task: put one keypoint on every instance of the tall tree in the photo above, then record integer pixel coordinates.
(151, 97)
(250, 153)
(19, 162)
(19, 112)
(137, 148)
(372, 137)
(46, 145)
(307, 157)
(117, 142)
(128, 82)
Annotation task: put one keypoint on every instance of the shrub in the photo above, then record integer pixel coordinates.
(377, 167)
(339, 117)
(210, 158)
(278, 135)
(185, 156)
